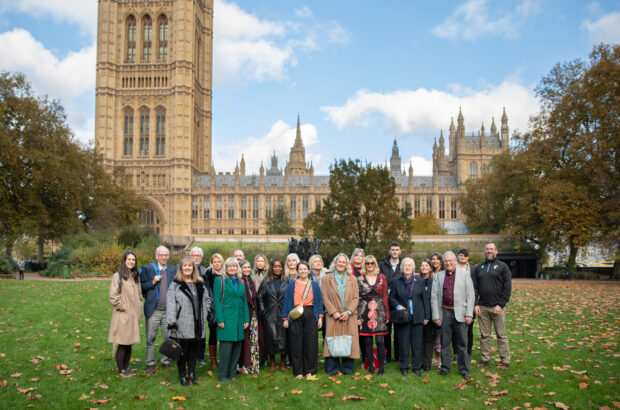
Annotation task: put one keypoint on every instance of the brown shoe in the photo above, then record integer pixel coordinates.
(150, 368)
(483, 363)
(505, 366)
(283, 365)
(272, 365)
(167, 365)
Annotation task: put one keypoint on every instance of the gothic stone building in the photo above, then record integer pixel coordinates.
(153, 130)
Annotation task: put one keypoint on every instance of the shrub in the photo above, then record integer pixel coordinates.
(132, 235)
(7, 265)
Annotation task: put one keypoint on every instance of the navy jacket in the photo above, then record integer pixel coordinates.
(150, 292)
(289, 299)
(421, 299)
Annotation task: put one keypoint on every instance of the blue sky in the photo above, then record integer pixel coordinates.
(358, 73)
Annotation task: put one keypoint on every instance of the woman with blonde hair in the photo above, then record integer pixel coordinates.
(374, 312)
(215, 269)
(188, 303)
(357, 261)
(126, 297)
(341, 298)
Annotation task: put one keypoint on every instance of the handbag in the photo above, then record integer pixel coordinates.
(298, 310)
(339, 346)
(172, 349)
(400, 317)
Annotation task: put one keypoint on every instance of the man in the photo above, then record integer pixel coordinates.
(197, 254)
(390, 267)
(462, 258)
(493, 284)
(452, 308)
(238, 254)
(155, 278)
(20, 266)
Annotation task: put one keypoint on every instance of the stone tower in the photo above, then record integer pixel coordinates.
(297, 158)
(395, 164)
(153, 102)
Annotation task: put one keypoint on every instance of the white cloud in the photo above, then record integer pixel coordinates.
(475, 19)
(606, 29)
(80, 12)
(247, 48)
(280, 137)
(421, 166)
(424, 112)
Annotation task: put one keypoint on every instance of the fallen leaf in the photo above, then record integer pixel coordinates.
(15, 375)
(21, 390)
(351, 397)
(179, 398)
(551, 393)
(391, 392)
(165, 383)
(84, 396)
(3, 383)
(560, 405)
(140, 397)
(490, 401)
(368, 377)
(499, 393)
(100, 401)
(104, 387)
(295, 391)
(312, 377)
(329, 394)
(209, 373)
(383, 385)
(426, 380)
(34, 379)
(583, 385)
(262, 386)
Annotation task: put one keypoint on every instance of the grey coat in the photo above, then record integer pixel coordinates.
(182, 314)
(463, 295)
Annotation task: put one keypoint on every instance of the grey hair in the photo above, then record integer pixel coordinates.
(332, 266)
(161, 248)
(239, 250)
(407, 259)
(287, 271)
(229, 261)
(313, 257)
(356, 251)
(197, 249)
(448, 254)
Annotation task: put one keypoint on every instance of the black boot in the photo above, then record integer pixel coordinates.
(192, 379)
(183, 381)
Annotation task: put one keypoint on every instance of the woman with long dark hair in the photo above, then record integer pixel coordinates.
(249, 360)
(436, 267)
(430, 329)
(259, 272)
(188, 304)
(270, 299)
(126, 297)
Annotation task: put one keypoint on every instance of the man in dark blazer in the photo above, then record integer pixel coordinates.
(452, 308)
(155, 278)
(390, 267)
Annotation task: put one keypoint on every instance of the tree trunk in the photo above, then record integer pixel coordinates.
(572, 255)
(40, 242)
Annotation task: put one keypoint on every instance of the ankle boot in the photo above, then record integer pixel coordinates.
(213, 356)
(183, 381)
(192, 379)
(283, 363)
(272, 363)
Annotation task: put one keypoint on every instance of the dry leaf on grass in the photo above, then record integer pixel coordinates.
(329, 394)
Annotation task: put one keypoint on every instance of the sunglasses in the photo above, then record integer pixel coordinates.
(370, 263)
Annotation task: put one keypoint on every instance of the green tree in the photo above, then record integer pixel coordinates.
(279, 222)
(51, 185)
(560, 185)
(427, 224)
(361, 211)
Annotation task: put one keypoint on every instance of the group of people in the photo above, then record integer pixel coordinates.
(275, 309)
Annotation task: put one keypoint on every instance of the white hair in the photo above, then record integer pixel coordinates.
(356, 251)
(348, 269)
(161, 248)
(239, 250)
(232, 260)
(197, 249)
(407, 260)
(448, 254)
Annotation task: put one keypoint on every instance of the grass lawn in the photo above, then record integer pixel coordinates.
(564, 342)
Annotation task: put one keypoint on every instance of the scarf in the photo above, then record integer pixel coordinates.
(409, 283)
(235, 281)
(341, 280)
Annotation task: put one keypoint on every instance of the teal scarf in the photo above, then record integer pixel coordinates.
(341, 280)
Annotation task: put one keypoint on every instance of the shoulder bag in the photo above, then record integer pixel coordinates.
(298, 310)
(339, 346)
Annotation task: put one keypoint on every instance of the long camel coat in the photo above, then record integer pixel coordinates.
(333, 304)
(125, 323)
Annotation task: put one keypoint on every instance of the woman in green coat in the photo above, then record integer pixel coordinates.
(232, 316)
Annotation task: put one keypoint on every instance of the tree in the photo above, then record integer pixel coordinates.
(361, 210)
(51, 185)
(427, 224)
(280, 223)
(560, 186)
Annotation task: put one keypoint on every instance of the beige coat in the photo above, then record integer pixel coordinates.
(333, 304)
(125, 323)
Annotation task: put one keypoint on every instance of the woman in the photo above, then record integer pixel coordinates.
(270, 299)
(249, 361)
(126, 297)
(290, 270)
(374, 313)
(216, 265)
(341, 298)
(408, 293)
(357, 262)
(436, 267)
(303, 330)
(430, 329)
(317, 270)
(259, 273)
(187, 306)
(232, 316)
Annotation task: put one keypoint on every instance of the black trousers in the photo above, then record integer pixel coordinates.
(188, 359)
(334, 365)
(453, 332)
(303, 346)
(428, 343)
(409, 338)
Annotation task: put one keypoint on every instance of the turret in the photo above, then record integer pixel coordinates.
(242, 166)
(452, 139)
(505, 140)
(460, 129)
(261, 172)
(493, 127)
(483, 140)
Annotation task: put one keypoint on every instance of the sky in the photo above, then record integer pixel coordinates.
(359, 74)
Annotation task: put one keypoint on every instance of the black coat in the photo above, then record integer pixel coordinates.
(270, 299)
(421, 298)
(385, 267)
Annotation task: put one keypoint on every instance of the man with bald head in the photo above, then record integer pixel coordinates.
(452, 308)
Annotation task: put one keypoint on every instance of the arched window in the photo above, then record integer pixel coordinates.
(128, 132)
(147, 37)
(144, 132)
(473, 170)
(131, 38)
(162, 40)
(160, 131)
(150, 218)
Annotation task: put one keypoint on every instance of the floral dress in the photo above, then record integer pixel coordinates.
(372, 306)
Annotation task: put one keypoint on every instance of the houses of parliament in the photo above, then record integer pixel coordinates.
(153, 130)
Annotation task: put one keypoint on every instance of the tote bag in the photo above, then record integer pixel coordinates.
(339, 346)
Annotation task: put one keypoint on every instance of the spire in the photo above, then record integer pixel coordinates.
(242, 165)
(410, 168)
(451, 125)
(482, 128)
(493, 127)
(298, 142)
(441, 139)
(504, 116)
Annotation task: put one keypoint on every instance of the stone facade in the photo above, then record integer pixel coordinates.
(153, 130)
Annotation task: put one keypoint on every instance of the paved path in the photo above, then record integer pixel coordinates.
(36, 276)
